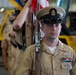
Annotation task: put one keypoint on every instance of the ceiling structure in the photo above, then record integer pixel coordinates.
(7, 4)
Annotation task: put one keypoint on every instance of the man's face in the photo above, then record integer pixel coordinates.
(51, 31)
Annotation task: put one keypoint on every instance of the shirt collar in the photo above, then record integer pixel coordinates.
(60, 46)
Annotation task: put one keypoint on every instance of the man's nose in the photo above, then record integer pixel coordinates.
(53, 26)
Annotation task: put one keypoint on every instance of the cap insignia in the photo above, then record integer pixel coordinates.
(53, 12)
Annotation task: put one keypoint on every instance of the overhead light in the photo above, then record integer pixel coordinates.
(2, 9)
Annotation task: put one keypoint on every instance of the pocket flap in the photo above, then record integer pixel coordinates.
(66, 65)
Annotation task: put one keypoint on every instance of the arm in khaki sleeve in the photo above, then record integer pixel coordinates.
(4, 44)
(22, 16)
(7, 32)
(25, 66)
(4, 56)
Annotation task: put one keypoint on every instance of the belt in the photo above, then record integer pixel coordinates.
(20, 46)
(13, 44)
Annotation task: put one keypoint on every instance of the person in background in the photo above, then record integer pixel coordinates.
(8, 43)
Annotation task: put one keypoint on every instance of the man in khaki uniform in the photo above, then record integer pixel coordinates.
(9, 46)
(56, 58)
(19, 41)
(18, 51)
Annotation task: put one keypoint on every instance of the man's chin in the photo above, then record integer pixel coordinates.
(53, 37)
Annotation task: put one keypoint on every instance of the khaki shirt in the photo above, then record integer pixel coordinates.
(51, 64)
(28, 35)
(6, 39)
(11, 50)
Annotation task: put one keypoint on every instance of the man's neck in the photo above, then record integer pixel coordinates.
(51, 43)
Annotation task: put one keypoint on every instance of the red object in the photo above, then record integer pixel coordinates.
(34, 3)
(42, 3)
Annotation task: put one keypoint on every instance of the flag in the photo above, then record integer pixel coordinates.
(34, 3)
(42, 3)
(17, 4)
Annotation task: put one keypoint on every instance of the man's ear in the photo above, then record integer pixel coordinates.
(41, 27)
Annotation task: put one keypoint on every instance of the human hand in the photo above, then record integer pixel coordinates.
(12, 34)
